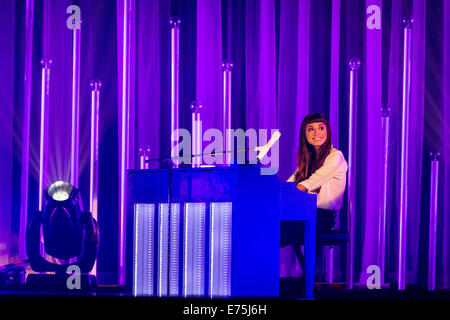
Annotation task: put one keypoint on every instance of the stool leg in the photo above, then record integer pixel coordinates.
(330, 265)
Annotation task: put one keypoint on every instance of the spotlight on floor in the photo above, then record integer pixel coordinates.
(60, 238)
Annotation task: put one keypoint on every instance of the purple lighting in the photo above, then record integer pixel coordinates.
(26, 127)
(196, 134)
(95, 108)
(211, 93)
(174, 83)
(75, 107)
(354, 65)
(126, 14)
(383, 208)
(434, 182)
(227, 66)
(93, 182)
(144, 156)
(45, 93)
(406, 105)
(334, 71)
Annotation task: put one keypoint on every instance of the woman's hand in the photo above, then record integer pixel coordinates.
(301, 187)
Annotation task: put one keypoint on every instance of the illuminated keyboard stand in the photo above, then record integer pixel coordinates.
(224, 237)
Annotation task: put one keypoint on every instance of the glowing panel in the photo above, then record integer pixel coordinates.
(220, 249)
(194, 249)
(168, 255)
(143, 249)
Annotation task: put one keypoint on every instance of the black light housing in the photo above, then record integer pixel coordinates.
(70, 234)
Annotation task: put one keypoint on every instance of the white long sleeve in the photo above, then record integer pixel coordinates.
(331, 178)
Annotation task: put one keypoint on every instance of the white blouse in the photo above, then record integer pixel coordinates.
(328, 182)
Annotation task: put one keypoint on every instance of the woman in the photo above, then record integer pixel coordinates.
(321, 169)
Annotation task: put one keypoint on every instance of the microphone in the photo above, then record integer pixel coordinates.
(264, 149)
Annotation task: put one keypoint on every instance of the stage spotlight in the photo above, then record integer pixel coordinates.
(60, 190)
(70, 235)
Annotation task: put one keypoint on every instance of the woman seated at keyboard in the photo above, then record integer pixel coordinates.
(321, 169)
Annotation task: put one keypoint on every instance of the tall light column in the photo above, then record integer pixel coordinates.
(93, 183)
(354, 65)
(174, 84)
(406, 107)
(385, 120)
(45, 93)
(144, 156)
(95, 109)
(126, 17)
(75, 137)
(434, 191)
(197, 134)
(227, 66)
(28, 72)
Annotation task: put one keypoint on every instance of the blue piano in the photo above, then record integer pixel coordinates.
(220, 237)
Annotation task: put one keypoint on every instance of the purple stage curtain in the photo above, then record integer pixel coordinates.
(209, 65)
(148, 75)
(418, 11)
(334, 70)
(416, 138)
(7, 37)
(260, 64)
(293, 97)
(58, 45)
(290, 58)
(443, 230)
(394, 99)
(372, 147)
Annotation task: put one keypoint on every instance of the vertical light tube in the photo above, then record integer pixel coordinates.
(74, 174)
(26, 127)
(124, 129)
(45, 92)
(95, 109)
(406, 105)
(196, 135)
(434, 187)
(93, 172)
(147, 157)
(354, 65)
(144, 156)
(141, 157)
(174, 84)
(385, 120)
(227, 66)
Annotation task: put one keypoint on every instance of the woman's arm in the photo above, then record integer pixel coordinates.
(327, 171)
(292, 179)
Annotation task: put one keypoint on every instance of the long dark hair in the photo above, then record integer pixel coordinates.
(308, 159)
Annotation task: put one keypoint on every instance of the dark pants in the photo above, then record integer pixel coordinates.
(292, 232)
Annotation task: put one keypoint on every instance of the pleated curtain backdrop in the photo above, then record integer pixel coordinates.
(291, 57)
